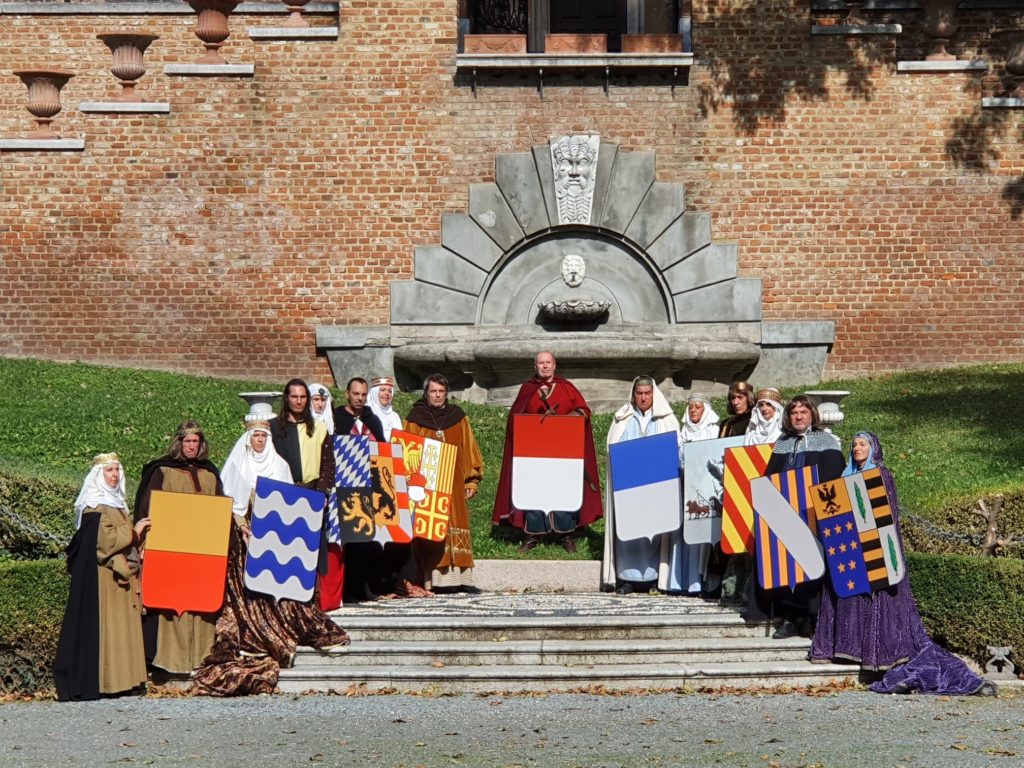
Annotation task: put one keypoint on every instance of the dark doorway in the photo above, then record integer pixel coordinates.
(591, 17)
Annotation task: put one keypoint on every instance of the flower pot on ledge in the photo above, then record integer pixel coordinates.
(495, 44)
(44, 98)
(652, 43)
(128, 50)
(939, 26)
(575, 43)
(1012, 38)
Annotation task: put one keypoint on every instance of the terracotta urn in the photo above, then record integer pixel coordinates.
(652, 43)
(853, 10)
(495, 44)
(296, 20)
(212, 27)
(127, 49)
(575, 43)
(1012, 38)
(940, 25)
(44, 98)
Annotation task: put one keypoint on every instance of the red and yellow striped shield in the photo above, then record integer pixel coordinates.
(742, 465)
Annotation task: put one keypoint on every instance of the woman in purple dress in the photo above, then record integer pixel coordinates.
(883, 631)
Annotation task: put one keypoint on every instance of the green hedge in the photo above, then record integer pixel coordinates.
(958, 517)
(968, 602)
(45, 499)
(32, 598)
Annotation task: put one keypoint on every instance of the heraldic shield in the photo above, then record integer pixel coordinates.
(703, 482)
(547, 470)
(285, 541)
(389, 494)
(645, 486)
(186, 558)
(742, 465)
(350, 514)
(430, 468)
(784, 523)
(856, 529)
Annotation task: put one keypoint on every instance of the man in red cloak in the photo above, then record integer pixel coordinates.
(547, 393)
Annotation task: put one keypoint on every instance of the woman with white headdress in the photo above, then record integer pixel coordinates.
(635, 564)
(684, 563)
(253, 456)
(381, 395)
(322, 406)
(100, 651)
(257, 635)
(766, 420)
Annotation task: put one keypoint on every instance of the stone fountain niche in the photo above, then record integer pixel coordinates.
(577, 249)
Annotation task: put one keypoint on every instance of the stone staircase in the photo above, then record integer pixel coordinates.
(554, 641)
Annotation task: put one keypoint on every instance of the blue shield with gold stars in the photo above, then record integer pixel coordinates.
(858, 534)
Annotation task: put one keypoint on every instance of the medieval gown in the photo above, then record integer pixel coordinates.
(449, 563)
(100, 649)
(181, 642)
(638, 560)
(883, 630)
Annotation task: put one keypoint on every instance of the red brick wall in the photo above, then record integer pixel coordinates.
(260, 208)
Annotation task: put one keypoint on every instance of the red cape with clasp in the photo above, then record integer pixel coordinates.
(563, 400)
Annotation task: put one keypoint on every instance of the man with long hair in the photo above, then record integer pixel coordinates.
(179, 643)
(303, 442)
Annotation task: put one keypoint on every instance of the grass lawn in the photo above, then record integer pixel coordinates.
(948, 435)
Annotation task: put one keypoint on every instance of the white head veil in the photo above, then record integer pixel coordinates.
(762, 431)
(661, 412)
(244, 465)
(327, 417)
(95, 490)
(706, 428)
(388, 418)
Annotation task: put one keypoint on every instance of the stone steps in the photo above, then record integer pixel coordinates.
(547, 641)
(553, 652)
(513, 678)
(713, 623)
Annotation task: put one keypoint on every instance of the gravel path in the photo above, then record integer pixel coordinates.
(833, 730)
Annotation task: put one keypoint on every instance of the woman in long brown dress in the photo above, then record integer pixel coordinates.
(448, 564)
(256, 635)
(178, 643)
(100, 650)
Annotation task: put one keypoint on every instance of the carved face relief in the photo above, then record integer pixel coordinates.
(574, 269)
(574, 164)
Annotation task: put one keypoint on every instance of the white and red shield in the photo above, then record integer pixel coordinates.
(547, 462)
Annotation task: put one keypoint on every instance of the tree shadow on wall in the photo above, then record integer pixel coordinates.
(759, 81)
(974, 145)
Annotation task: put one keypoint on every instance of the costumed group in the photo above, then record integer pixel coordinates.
(110, 643)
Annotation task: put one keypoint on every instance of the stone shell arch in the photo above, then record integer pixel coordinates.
(677, 308)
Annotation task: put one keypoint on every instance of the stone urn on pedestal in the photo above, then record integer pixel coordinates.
(296, 20)
(264, 398)
(212, 27)
(828, 404)
(44, 98)
(127, 49)
(1012, 39)
(939, 25)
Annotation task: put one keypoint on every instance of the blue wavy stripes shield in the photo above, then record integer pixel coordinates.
(858, 534)
(784, 524)
(350, 513)
(285, 541)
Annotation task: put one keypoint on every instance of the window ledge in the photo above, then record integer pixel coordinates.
(537, 61)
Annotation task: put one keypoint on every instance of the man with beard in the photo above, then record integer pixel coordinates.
(548, 393)
(303, 442)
